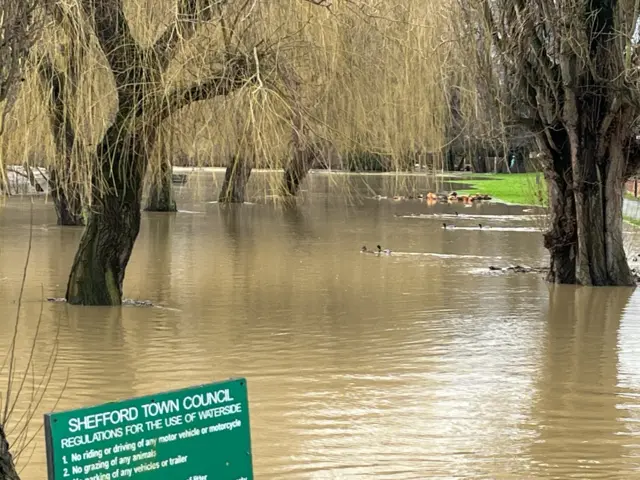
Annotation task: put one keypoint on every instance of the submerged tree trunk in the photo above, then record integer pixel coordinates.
(161, 191)
(235, 182)
(98, 270)
(305, 157)
(7, 467)
(295, 173)
(585, 241)
(302, 149)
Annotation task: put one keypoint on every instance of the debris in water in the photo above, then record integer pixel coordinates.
(125, 301)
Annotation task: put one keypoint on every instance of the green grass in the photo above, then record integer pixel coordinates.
(632, 221)
(517, 188)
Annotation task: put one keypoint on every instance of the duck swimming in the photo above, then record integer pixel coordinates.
(386, 251)
(365, 250)
(444, 225)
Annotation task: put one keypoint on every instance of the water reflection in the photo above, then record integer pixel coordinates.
(576, 416)
(412, 366)
(158, 243)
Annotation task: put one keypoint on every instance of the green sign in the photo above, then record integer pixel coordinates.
(199, 433)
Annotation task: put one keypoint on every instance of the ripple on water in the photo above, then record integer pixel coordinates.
(403, 369)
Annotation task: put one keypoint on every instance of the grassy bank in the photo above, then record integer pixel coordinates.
(518, 188)
(632, 221)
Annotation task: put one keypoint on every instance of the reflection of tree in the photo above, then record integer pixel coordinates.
(159, 255)
(59, 257)
(94, 343)
(298, 224)
(239, 221)
(575, 412)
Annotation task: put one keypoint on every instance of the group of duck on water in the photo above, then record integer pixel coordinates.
(450, 225)
(379, 251)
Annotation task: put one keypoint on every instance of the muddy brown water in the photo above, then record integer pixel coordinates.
(415, 366)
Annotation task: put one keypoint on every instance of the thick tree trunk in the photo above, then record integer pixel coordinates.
(298, 168)
(585, 239)
(235, 182)
(302, 155)
(66, 200)
(98, 270)
(161, 191)
(97, 274)
(7, 467)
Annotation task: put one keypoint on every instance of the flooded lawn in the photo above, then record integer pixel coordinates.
(422, 364)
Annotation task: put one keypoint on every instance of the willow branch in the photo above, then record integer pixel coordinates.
(61, 127)
(205, 90)
(191, 13)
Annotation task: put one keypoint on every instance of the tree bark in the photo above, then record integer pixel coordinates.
(235, 182)
(98, 270)
(585, 240)
(161, 191)
(295, 173)
(97, 274)
(301, 159)
(7, 467)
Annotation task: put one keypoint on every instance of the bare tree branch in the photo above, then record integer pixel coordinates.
(205, 90)
(190, 14)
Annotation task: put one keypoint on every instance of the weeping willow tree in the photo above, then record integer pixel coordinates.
(567, 72)
(354, 83)
(377, 92)
(20, 23)
(145, 98)
(142, 68)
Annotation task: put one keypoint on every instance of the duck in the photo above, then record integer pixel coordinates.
(365, 250)
(444, 225)
(480, 226)
(386, 251)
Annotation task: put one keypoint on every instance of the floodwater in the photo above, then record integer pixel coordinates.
(417, 365)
